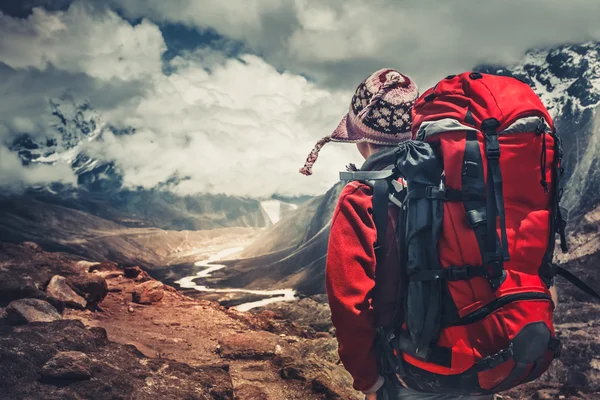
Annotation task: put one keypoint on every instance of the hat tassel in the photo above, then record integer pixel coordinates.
(312, 157)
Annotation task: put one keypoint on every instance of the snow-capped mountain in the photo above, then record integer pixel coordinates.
(71, 126)
(567, 79)
(277, 209)
(100, 190)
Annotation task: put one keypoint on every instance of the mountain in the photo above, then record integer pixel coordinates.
(290, 254)
(99, 218)
(567, 79)
(100, 189)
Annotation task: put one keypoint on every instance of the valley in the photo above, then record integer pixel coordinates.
(212, 296)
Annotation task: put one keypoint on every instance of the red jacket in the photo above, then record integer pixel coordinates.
(350, 279)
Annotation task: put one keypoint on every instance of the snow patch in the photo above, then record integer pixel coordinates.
(276, 208)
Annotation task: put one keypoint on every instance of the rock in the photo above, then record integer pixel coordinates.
(68, 365)
(25, 311)
(59, 289)
(170, 289)
(103, 266)
(130, 310)
(15, 287)
(320, 375)
(250, 392)
(87, 266)
(92, 287)
(132, 272)
(109, 274)
(258, 345)
(32, 246)
(293, 372)
(118, 371)
(143, 277)
(333, 383)
(148, 292)
(545, 394)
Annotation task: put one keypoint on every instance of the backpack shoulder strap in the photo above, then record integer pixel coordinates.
(380, 218)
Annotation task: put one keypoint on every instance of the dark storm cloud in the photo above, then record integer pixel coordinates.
(338, 42)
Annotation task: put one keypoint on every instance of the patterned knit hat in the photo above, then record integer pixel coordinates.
(380, 113)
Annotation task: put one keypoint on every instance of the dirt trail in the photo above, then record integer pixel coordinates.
(198, 332)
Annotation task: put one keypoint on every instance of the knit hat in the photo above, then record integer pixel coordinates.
(380, 113)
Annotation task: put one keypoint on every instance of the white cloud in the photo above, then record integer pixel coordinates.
(98, 43)
(15, 176)
(242, 129)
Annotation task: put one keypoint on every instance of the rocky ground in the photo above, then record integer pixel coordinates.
(73, 329)
(87, 338)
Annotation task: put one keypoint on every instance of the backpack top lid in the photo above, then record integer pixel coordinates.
(471, 98)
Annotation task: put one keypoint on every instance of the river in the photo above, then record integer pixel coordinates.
(209, 266)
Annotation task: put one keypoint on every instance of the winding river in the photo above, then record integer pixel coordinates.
(189, 282)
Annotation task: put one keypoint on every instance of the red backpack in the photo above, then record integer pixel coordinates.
(479, 217)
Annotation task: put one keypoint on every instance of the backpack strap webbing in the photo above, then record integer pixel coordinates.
(576, 281)
(380, 218)
(494, 256)
(473, 182)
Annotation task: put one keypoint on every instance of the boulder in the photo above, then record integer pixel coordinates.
(103, 266)
(253, 345)
(92, 287)
(25, 311)
(68, 365)
(15, 287)
(86, 266)
(132, 272)
(148, 292)
(143, 277)
(58, 288)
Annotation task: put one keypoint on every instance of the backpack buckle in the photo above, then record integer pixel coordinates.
(492, 153)
(458, 274)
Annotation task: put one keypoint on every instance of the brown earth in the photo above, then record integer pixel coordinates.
(210, 350)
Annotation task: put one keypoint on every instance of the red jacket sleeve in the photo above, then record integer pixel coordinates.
(350, 271)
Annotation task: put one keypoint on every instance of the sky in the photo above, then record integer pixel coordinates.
(232, 95)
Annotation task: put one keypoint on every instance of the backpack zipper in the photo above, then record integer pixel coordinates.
(486, 310)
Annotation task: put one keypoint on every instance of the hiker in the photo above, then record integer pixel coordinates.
(378, 120)
(440, 277)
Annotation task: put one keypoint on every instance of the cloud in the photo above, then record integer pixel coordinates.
(243, 125)
(82, 39)
(242, 129)
(15, 177)
(339, 42)
(235, 126)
